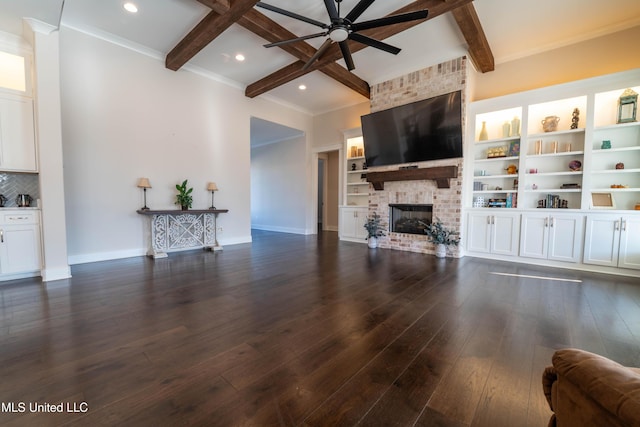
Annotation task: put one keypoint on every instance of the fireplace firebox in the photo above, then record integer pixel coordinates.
(410, 219)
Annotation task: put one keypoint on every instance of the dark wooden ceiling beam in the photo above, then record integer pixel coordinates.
(207, 30)
(218, 6)
(271, 31)
(292, 72)
(479, 49)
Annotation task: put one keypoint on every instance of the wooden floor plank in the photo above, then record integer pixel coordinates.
(303, 330)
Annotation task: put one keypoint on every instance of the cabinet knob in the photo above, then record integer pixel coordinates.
(624, 225)
(616, 225)
(1, 236)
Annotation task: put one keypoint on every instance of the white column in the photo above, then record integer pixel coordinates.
(46, 71)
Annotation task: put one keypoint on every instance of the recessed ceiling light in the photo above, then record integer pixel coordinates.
(302, 87)
(130, 7)
(240, 57)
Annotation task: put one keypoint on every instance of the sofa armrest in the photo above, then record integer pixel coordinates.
(614, 387)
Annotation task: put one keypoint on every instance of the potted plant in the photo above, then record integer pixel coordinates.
(374, 230)
(442, 237)
(184, 198)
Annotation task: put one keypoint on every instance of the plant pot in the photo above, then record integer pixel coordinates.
(185, 208)
(372, 242)
(441, 250)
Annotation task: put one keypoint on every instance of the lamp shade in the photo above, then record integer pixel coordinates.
(212, 187)
(144, 183)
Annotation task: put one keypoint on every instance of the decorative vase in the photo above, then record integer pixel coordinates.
(515, 126)
(372, 242)
(483, 132)
(441, 250)
(506, 130)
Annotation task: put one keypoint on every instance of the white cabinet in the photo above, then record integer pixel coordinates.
(19, 243)
(494, 233)
(352, 220)
(612, 240)
(17, 136)
(551, 236)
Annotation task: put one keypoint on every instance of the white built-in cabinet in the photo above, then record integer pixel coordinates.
(352, 220)
(20, 247)
(613, 240)
(17, 135)
(493, 233)
(557, 180)
(554, 236)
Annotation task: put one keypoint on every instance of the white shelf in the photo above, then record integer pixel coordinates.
(555, 190)
(495, 159)
(556, 133)
(615, 190)
(569, 173)
(495, 191)
(498, 140)
(478, 177)
(616, 150)
(558, 154)
(615, 126)
(616, 171)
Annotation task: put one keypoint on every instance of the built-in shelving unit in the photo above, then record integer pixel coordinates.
(570, 177)
(357, 191)
(354, 209)
(560, 167)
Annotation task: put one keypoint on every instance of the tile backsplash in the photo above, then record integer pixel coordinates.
(12, 184)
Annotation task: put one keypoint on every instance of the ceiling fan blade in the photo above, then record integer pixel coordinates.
(346, 54)
(318, 54)
(374, 43)
(297, 39)
(331, 9)
(291, 15)
(390, 20)
(358, 10)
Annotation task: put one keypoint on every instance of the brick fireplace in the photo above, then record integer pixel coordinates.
(446, 203)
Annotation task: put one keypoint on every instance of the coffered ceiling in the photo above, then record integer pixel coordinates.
(165, 29)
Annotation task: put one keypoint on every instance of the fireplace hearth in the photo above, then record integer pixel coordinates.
(409, 218)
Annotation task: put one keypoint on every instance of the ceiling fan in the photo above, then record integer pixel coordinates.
(342, 29)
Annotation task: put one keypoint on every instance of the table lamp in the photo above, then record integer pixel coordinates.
(144, 184)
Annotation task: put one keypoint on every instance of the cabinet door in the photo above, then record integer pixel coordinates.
(630, 243)
(479, 232)
(565, 235)
(347, 223)
(505, 234)
(19, 248)
(602, 238)
(534, 235)
(361, 219)
(17, 140)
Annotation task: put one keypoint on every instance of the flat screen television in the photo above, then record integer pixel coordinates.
(430, 129)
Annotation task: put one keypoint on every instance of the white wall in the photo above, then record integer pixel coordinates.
(278, 185)
(125, 116)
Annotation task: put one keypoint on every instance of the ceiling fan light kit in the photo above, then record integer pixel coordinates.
(340, 30)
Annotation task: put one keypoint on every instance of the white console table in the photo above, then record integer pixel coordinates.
(173, 230)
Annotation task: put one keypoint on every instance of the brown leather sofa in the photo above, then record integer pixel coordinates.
(585, 389)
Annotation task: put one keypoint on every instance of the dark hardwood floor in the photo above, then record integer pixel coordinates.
(302, 331)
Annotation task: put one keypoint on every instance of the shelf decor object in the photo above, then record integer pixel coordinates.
(602, 201)
(144, 184)
(627, 106)
(213, 188)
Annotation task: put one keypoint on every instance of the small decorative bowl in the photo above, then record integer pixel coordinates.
(575, 165)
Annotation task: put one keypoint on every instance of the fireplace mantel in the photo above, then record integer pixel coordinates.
(439, 174)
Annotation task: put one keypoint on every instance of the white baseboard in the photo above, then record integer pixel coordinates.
(279, 229)
(106, 256)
